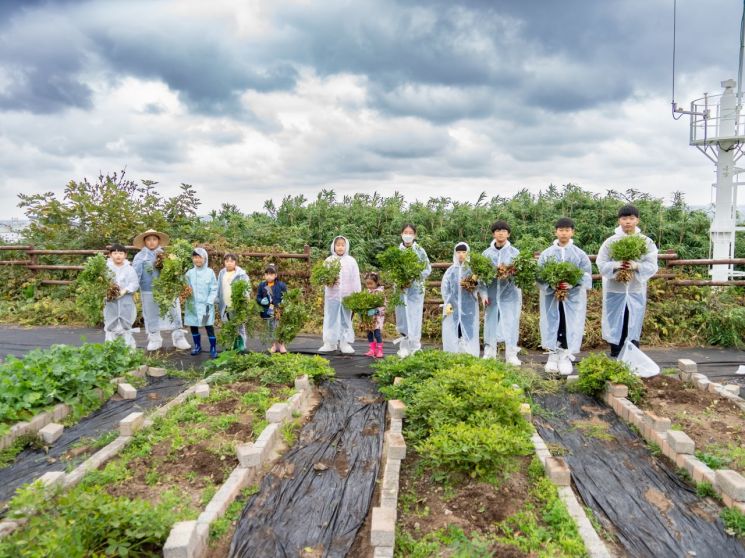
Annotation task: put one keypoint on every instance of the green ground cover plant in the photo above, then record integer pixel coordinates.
(61, 374)
(598, 368)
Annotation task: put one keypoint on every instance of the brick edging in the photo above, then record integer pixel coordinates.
(384, 516)
(189, 539)
(688, 372)
(676, 445)
(557, 470)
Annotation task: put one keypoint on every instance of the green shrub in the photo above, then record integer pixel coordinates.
(477, 450)
(90, 522)
(598, 368)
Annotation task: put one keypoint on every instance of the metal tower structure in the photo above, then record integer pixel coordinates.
(717, 129)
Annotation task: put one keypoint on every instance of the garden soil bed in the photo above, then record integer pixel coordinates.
(200, 465)
(426, 506)
(716, 424)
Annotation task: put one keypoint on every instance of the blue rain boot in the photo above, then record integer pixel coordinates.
(197, 344)
(213, 347)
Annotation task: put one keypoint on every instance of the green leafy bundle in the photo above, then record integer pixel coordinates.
(325, 273)
(525, 271)
(629, 248)
(92, 288)
(359, 303)
(554, 272)
(60, 374)
(401, 267)
(292, 315)
(243, 311)
(598, 368)
(482, 271)
(171, 284)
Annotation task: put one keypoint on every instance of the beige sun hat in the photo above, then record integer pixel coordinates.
(139, 240)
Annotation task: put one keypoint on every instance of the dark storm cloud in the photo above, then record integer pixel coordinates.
(476, 49)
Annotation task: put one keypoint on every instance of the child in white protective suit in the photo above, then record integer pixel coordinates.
(151, 243)
(563, 321)
(460, 312)
(338, 330)
(624, 304)
(409, 313)
(502, 298)
(120, 314)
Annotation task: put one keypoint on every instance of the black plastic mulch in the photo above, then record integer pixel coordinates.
(653, 513)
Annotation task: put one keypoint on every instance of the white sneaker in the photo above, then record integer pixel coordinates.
(346, 348)
(490, 352)
(552, 365)
(565, 363)
(154, 341)
(511, 356)
(327, 348)
(179, 340)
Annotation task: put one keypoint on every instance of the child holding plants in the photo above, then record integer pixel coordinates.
(626, 260)
(120, 310)
(375, 334)
(502, 298)
(564, 277)
(409, 314)
(200, 306)
(269, 296)
(460, 312)
(338, 330)
(230, 273)
(146, 264)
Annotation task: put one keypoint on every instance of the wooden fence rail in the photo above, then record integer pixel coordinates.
(667, 259)
(33, 265)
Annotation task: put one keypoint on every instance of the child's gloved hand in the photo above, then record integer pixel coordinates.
(633, 265)
(372, 312)
(265, 301)
(448, 309)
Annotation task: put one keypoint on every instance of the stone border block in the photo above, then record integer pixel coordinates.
(51, 432)
(131, 423)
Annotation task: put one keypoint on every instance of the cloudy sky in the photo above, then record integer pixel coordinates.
(248, 100)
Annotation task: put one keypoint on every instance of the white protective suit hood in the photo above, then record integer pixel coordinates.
(346, 250)
(202, 252)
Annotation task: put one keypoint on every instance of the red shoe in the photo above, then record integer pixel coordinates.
(371, 352)
(379, 350)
